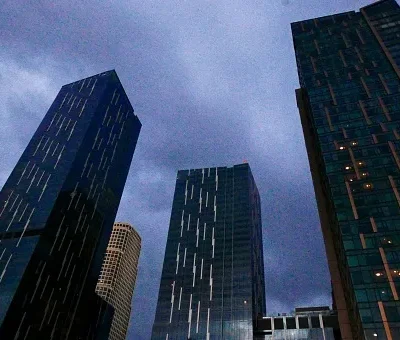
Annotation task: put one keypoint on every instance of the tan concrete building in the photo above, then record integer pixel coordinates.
(118, 276)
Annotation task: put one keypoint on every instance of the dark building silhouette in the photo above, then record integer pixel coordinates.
(212, 284)
(57, 210)
(348, 67)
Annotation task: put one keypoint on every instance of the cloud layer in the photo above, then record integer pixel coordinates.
(213, 84)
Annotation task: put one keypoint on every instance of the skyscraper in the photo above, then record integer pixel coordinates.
(57, 209)
(212, 283)
(118, 276)
(348, 66)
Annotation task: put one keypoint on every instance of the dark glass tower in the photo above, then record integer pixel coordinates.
(57, 210)
(349, 104)
(212, 284)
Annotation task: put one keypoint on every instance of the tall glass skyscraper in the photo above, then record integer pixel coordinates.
(349, 104)
(57, 210)
(212, 284)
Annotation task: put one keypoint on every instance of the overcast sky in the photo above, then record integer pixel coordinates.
(213, 84)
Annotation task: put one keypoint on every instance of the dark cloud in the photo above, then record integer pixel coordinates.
(213, 84)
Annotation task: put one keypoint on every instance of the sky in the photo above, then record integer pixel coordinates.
(213, 84)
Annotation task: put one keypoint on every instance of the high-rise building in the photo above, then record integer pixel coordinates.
(348, 65)
(57, 210)
(212, 283)
(118, 276)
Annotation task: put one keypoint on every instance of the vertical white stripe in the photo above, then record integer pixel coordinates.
(5, 267)
(184, 259)
(186, 191)
(200, 200)
(83, 108)
(194, 269)
(183, 212)
(32, 180)
(172, 302)
(22, 214)
(23, 172)
(15, 214)
(208, 323)
(190, 317)
(12, 206)
(204, 231)
(180, 298)
(207, 199)
(198, 317)
(201, 270)
(1, 256)
(211, 282)
(72, 130)
(94, 84)
(177, 259)
(59, 156)
(197, 235)
(40, 142)
(190, 309)
(202, 178)
(44, 188)
(6, 203)
(191, 195)
(172, 309)
(213, 243)
(188, 225)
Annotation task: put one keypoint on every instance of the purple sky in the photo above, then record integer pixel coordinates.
(212, 83)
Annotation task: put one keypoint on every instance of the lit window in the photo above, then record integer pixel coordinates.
(379, 274)
(342, 147)
(367, 186)
(348, 167)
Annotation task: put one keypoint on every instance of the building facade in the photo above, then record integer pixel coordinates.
(118, 276)
(313, 323)
(212, 283)
(348, 66)
(57, 209)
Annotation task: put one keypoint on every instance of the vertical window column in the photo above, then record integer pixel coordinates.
(353, 206)
(388, 274)
(384, 109)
